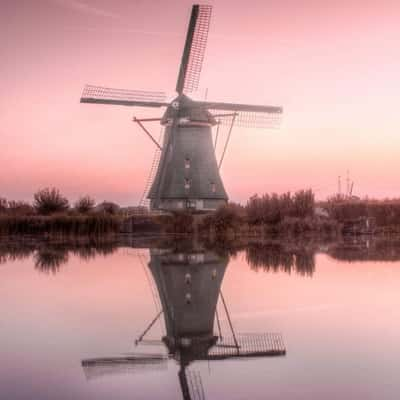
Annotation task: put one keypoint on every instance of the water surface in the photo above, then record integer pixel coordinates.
(65, 308)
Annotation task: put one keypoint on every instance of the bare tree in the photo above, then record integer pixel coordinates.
(49, 201)
(85, 204)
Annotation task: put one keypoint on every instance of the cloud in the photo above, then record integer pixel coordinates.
(84, 8)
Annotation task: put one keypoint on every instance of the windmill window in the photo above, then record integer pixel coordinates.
(187, 183)
(213, 187)
(191, 204)
(187, 162)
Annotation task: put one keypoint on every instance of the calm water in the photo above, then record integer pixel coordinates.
(70, 318)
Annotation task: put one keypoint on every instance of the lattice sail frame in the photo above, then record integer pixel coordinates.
(197, 50)
(107, 93)
(249, 119)
(194, 49)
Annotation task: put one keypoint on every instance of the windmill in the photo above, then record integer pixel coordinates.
(187, 172)
(189, 288)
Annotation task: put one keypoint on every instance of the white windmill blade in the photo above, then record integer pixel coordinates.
(246, 115)
(122, 97)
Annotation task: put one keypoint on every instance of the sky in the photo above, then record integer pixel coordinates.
(333, 67)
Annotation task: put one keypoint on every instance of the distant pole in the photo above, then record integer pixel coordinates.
(347, 184)
(339, 187)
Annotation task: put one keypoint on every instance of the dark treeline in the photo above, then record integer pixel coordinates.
(51, 213)
(287, 214)
(290, 214)
(274, 208)
(384, 212)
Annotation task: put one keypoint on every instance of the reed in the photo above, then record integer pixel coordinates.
(384, 212)
(272, 209)
(60, 224)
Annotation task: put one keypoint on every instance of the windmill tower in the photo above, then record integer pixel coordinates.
(187, 176)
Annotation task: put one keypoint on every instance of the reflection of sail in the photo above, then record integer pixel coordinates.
(248, 345)
(194, 384)
(98, 367)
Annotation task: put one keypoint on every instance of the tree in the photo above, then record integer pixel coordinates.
(84, 204)
(49, 201)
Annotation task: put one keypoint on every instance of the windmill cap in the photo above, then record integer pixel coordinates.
(187, 110)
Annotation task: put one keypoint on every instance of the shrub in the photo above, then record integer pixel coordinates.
(225, 218)
(271, 209)
(84, 204)
(108, 207)
(181, 222)
(49, 201)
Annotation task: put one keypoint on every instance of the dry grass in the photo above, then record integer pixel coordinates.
(60, 224)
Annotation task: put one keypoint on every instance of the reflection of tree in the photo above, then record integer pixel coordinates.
(275, 258)
(87, 251)
(366, 250)
(49, 260)
(11, 251)
(50, 256)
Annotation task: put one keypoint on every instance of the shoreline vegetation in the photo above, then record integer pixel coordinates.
(269, 215)
(268, 255)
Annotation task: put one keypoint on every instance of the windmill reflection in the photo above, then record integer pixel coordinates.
(188, 286)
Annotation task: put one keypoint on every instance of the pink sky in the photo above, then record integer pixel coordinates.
(333, 66)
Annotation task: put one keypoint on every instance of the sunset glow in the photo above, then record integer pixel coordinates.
(333, 66)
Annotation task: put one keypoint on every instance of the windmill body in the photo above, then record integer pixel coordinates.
(188, 174)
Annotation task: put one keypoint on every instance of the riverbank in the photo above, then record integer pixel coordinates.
(267, 216)
(222, 224)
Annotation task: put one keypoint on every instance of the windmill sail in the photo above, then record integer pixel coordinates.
(99, 367)
(122, 97)
(247, 115)
(195, 46)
